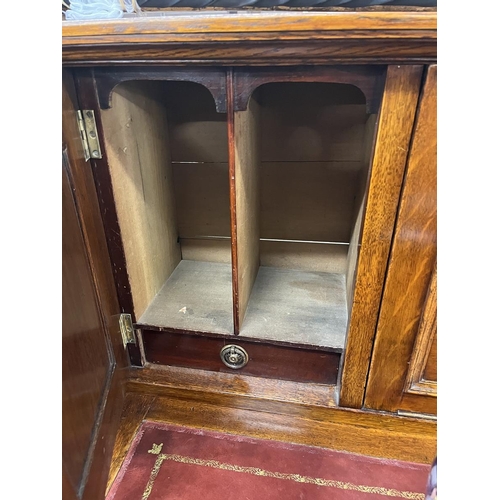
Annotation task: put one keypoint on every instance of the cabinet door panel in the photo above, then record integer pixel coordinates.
(406, 339)
(86, 362)
(392, 140)
(92, 357)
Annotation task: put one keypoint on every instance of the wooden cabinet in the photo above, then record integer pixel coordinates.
(253, 207)
(266, 182)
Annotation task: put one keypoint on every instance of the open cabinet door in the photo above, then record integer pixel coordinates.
(94, 360)
(403, 371)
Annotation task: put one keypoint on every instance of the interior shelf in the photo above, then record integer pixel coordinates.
(196, 297)
(298, 307)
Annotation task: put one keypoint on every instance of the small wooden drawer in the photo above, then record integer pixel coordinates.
(265, 360)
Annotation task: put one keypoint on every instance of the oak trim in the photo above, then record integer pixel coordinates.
(393, 135)
(268, 38)
(413, 255)
(251, 22)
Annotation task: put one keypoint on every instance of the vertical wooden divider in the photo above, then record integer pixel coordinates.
(232, 199)
(245, 201)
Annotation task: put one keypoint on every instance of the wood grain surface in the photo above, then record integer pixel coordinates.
(255, 22)
(277, 362)
(86, 363)
(87, 205)
(411, 265)
(87, 97)
(388, 165)
(135, 409)
(235, 407)
(232, 383)
(93, 357)
(271, 38)
(422, 370)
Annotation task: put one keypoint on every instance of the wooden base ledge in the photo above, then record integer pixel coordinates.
(282, 411)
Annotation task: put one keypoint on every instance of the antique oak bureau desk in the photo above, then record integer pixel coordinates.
(249, 210)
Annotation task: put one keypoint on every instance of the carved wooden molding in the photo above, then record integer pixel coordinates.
(266, 38)
(370, 80)
(427, 332)
(214, 80)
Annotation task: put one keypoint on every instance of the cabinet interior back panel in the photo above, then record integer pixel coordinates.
(207, 250)
(304, 256)
(202, 199)
(196, 297)
(311, 122)
(197, 132)
(298, 307)
(312, 201)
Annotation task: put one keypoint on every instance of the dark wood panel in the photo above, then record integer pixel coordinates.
(234, 383)
(106, 426)
(369, 79)
(374, 441)
(87, 95)
(285, 53)
(94, 360)
(265, 360)
(68, 491)
(87, 205)
(86, 363)
(211, 78)
(411, 265)
(388, 163)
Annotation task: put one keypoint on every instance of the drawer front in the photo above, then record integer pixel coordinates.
(264, 360)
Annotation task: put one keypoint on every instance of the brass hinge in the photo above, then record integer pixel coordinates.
(88, 133)
(127, 329)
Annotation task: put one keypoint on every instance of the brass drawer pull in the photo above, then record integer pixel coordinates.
(234, 356)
